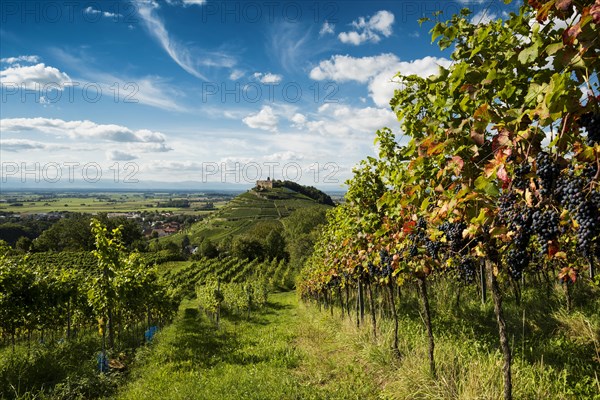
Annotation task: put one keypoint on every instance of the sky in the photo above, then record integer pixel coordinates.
(206, 91)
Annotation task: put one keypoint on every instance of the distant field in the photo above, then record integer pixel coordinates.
(32, 203)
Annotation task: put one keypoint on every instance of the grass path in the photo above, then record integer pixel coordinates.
(285, 352)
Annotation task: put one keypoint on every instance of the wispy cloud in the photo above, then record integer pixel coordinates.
(92, 11)
(190, 61)
(154, 91)
(187, 3)
(118, 155)
(16, 145)
(290, 45)
(27, 59)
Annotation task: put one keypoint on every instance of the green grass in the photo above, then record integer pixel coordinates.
(293, 351)
(274, 355)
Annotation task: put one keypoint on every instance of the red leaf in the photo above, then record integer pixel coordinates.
(477, 137)
(553, 248)
(571, 33)
(408, 227)
(502, 174)
(563, 5)
(458, 161)
(502, 139)
(595, 12)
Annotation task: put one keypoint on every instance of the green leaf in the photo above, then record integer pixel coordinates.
(529, 54)
(486, 186)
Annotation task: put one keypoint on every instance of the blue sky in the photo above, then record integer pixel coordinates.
(206, 90)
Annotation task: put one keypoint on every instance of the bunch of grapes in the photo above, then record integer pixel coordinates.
(591, 122)
(467, 269)
(432, 248)
(547, 172)
(545, 224)
(570, 192)
(588, 219)
(520, 179)
(517, 259)
(454, 235)
(385, 265)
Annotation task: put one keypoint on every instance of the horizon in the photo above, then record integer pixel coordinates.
(179, 89)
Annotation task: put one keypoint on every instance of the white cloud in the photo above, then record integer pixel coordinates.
(117, 155)
(34, 77)
(341, 120)
(190, 61)
(92, 11)
(382, 85)
(81, 130)
(327, 28)
(483, 17)
(27, 59)
(194, 2)
(15, 145)
(151, 147)
(236, 74)
(377, 71)
(268, 78)
(265, 119)
(299, 119)
(342, 68)
(187, 3)
(369, 29)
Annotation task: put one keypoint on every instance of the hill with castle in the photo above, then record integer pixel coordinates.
(265, 206)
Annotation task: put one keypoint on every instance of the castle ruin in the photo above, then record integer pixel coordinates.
(268, 184)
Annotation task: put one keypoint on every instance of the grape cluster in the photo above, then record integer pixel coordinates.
(385, 264)
(591, 122)
(587, 218)
(454, 235)
(547, 172)
(517, 259)
(432, 248)
(520, 179)
(545, 224)
(519, 219)
(570, 192)
(466, 269)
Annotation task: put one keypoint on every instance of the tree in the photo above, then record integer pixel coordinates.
(208, 249)
(274, 246)
(244, 247)
(24, 244)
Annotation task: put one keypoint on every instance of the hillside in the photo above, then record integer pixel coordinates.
(265, 207)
